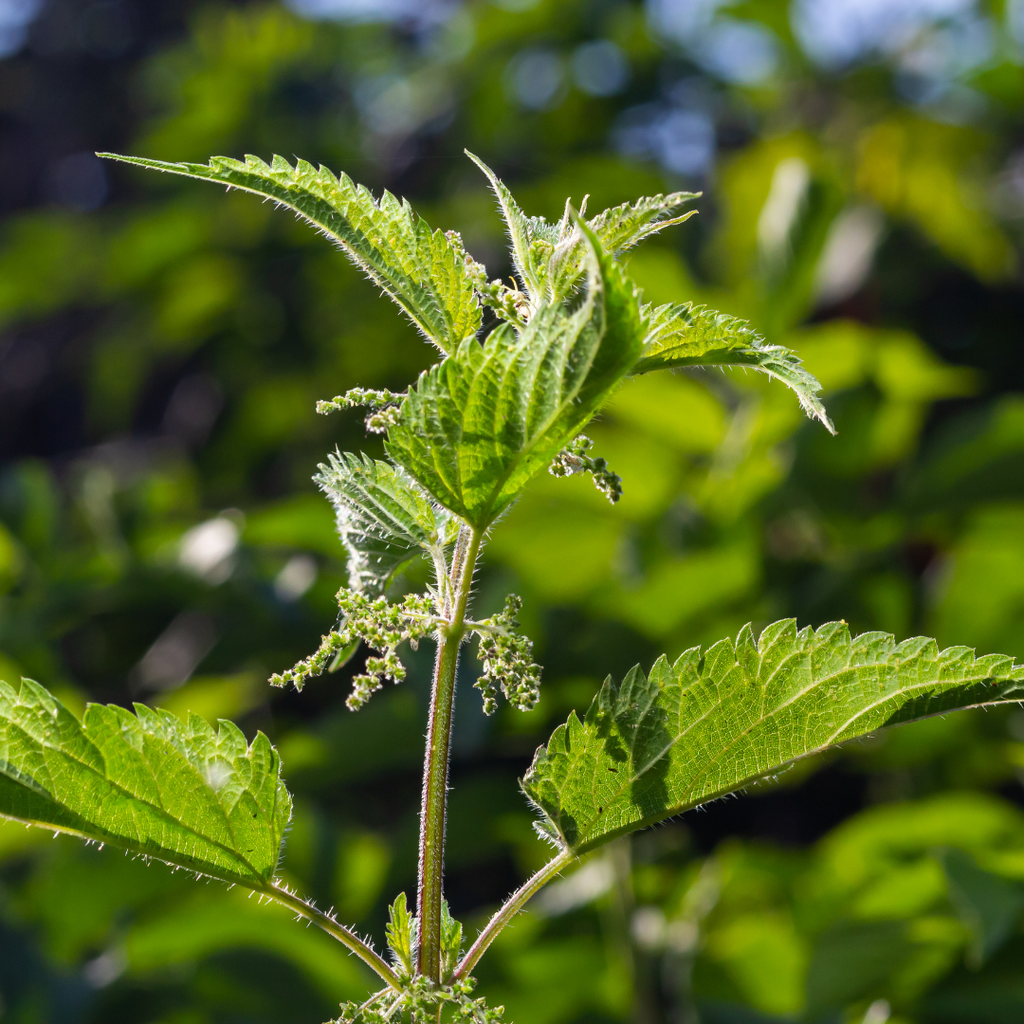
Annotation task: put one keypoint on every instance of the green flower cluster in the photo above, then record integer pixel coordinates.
(574, 459)
(423, 1002)
(508, 662)
(383, 406)
(382, 625)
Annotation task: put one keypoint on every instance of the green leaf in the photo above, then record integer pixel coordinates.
(685, 334)
(621, 227)
(149, 783)
(988, 905)
(451, 941)
(523, 231)
(402, 934)
(384, 518)
(424, 271)
(550, 259)
(478, 426)
(714, 722)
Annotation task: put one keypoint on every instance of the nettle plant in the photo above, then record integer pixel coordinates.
(462, 443)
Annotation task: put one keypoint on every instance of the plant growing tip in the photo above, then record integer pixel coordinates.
(463, 442)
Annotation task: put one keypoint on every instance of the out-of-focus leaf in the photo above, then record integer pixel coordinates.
(201, 926)
(147, 783)
(974, 458)
(657, 745)
(987, 904)
(303, 522)
(918, 169)
(853, 960)
(981, 599)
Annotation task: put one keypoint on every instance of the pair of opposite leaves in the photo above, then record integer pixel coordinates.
(647, 749)
(652, 747)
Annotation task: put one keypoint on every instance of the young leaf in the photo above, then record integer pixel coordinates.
(550, 259)
(523, 231)
(622, 227)
(451, 941)
(147, 782)
(709, 724)
(400, 932)
(478, 426)
(686, 334)
(384, 518)
(424, 271)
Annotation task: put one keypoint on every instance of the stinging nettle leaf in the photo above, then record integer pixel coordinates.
(620, 228)
(424, 271)
(523, 231)
(550, 259)
(708, 725)
(402, 934)
(384, 518)
(686, 334)
(479, 425)
(148, 783)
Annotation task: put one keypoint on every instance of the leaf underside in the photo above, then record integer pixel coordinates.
(424, 271)
(479, 425)
(384, 518)
(658, 745)
(686, 334)
(148, 783)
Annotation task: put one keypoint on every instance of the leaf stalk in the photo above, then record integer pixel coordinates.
(511, 907)
(336, 930)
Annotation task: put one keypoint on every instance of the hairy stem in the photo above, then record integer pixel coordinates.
(337, 931)
(435, 767)
(511, 907)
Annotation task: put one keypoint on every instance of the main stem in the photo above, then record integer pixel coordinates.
(435, 767)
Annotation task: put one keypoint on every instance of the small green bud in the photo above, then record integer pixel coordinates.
(574, 459)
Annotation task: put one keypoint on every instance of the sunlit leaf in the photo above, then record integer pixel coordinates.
(550, 259)
(424, 271)
(148, 783)
(478, 426)
(401, 931)
(657, 745)
(686, 334)
(621, 227)
(522, 230)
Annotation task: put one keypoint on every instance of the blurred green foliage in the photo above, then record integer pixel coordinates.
(863, 203)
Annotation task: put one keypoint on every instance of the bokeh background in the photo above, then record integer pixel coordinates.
(162, 345)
